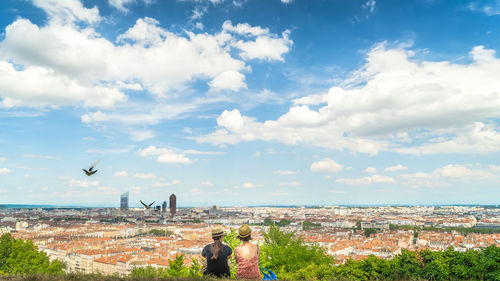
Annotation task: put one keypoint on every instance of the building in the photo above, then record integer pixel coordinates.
(173, 204)
(124, 201)
(164, 207)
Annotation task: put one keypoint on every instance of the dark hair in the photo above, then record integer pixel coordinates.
(248, 238)
(216, 247)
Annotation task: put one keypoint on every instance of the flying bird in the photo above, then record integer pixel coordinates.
(147, 206)
(91, 170)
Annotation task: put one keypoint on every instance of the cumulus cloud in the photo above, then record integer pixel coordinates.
(39, 156)
(121, 174)
(68, 11)
(326, 166)
(250, 185)
(366, 180)
(82, 183)
(284, 172)
(265, 46)
(4, 171)
(394, 99)
(145, 176)
(398, 167)
(445, 175)
(371, 170)
(121, 4)
(80, 67)
(164, 155)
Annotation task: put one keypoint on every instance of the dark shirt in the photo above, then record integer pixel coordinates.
(218, 267)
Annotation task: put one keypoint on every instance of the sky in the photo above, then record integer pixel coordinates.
(250, 102)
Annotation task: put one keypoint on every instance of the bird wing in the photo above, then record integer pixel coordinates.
(93, 165)
(143, 204)
(86, 172)
(93, 172)
(152, 204)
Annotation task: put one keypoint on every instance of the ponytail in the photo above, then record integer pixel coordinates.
(216, 247)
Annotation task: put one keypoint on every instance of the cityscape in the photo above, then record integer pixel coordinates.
(118, 240)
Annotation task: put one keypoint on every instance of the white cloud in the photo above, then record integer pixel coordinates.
(370, 6)
(120, 4)
(80, 67)
(197, 152)
(398, 167)
(326, 166)
(449, 107)
(161, 184)
(207, 183)
(251, 185)
(4, 171)
(83, 183)
(165, 155)
(93, 117)
(266, 46)
(142, 135)
(27, 176)
(68, 11)
(284, 172)
(145, 176)
(44, 188)
(42, 87)
(49, 157)
(176, 182)
(286, 1)
(366, 180)
(490, 8)
(3, 159)
(371, 170)
(121, 174)
(444, 176)
(229, 80)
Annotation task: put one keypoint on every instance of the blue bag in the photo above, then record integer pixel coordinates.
(268, 274)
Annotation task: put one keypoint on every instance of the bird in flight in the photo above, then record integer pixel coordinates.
(91, 170)
(147, 206)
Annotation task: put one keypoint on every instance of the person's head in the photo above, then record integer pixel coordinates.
(217, 235)
(245, 233)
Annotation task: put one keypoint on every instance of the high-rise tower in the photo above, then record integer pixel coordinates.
(124, 201)
(173, 204)
(164, 207)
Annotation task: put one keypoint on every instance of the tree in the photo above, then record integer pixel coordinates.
(18, 257)
(286, 254)
(370, 231)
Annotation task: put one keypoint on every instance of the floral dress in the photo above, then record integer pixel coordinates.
(248, 268)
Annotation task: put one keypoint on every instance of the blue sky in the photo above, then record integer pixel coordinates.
(247, 102)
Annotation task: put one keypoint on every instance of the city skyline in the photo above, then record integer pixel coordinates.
(250, 103)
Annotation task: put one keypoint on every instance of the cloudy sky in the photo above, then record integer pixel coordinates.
(250, 102)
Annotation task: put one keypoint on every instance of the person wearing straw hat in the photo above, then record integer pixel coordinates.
(247, 256)
(217, 255)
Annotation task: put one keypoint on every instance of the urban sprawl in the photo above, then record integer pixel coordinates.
(117, 240)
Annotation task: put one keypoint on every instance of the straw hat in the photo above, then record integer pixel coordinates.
(217, 232)
(244, 231)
